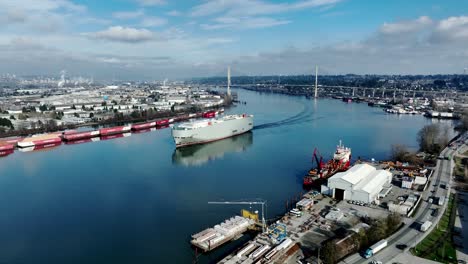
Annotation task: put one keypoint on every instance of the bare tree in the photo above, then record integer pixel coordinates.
(428, 138)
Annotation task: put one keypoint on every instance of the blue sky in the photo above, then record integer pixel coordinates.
(154, 39)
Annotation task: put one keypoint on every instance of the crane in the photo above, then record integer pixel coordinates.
(257, 202)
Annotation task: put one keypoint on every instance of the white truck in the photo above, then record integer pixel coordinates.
(372, 250)
(441, 200)
(424, 227)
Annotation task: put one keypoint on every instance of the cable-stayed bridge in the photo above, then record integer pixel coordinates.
(315, 89)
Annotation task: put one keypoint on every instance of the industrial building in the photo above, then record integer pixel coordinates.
(361, 183)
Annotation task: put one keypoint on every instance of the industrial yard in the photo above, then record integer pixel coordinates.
(341, 212)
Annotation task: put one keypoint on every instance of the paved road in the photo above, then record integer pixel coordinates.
(410, 233)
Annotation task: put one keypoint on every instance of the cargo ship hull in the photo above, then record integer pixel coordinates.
(114, 130)
(143, 126)
(39, 142)
(340, 162)
(4, 153)
(81, 135)
(212, 132)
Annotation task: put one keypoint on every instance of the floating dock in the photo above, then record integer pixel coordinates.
(230, 229)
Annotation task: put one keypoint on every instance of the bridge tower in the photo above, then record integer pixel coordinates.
(316, 82)
(229, 81)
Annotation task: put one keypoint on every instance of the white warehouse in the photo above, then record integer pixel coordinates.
(362, 183)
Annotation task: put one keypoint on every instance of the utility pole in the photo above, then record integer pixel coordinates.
(316, 82)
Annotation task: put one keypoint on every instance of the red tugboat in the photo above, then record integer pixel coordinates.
(340, 162)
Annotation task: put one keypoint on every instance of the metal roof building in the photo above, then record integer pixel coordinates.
(361, 183)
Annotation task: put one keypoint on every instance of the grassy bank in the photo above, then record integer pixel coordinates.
(438, 245)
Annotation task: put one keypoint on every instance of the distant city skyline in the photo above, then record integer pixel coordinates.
(158, 39)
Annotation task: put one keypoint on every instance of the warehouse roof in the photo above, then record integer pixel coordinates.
(374, 181)
(355, 174)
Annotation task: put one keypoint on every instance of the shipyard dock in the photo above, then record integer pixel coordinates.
(230, 229)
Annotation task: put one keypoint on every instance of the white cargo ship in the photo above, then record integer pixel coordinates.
(208, 130)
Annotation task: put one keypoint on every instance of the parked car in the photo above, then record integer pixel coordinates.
(401, 246)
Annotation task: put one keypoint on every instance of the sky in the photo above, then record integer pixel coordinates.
(178, 39)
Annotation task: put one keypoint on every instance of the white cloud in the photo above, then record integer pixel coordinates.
(151, 2)
(43, 5)
(249, 14)
(153, 22)
(452, 29)
(254, 7)
(244, 23)
(45, 16)
(123, 34)
(406, 26)
(129, 14)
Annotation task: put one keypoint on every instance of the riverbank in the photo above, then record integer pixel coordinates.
(127, 200)
(117, 120)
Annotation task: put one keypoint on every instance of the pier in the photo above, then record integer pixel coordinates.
(230, 229)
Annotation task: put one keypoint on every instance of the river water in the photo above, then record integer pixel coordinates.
(137, 200)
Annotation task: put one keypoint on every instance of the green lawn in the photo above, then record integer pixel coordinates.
(438, 245)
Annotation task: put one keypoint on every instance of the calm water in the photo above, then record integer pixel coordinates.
(137, 200)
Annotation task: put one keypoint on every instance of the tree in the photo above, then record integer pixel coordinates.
(76, 115)
(328, 252)
(6, 123)
(135, 114)
(43, 108)
(399, 152)
(83, 107)
(393, 221)
(104, 103)
(377, 231)
(463, 122)
(12, 117)
(73, 107)
(91, 115)
(428, 138)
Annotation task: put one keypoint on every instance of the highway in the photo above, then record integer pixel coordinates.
(410, 234)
